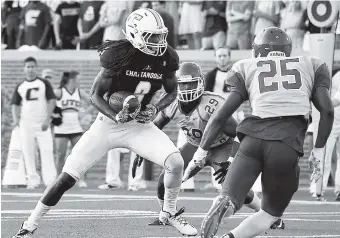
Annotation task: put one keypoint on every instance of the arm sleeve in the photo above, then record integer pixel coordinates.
(49, 90)
(322, 77)
(237, 84)
(16, 98)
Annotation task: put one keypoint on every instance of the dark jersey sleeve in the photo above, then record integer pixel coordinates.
(322, 77)
(16, 98)
(49, 90)
(236, 83)
(172, 63)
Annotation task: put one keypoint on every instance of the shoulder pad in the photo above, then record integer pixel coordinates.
(171, 59)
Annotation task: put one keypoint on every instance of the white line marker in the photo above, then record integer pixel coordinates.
(135, 197)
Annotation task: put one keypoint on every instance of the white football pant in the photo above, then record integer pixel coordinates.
(104, 135)
(29, 132)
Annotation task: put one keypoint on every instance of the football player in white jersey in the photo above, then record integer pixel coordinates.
(69, 97)
(280, 89)
(32, 106)
(192, 111)
(141, 64)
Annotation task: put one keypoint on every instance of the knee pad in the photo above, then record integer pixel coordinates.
(174, 164)
(56, 190)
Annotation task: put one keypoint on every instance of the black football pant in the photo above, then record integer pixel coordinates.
(278, 163)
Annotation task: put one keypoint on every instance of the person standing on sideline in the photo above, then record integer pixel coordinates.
(33, 102)
(69, 97)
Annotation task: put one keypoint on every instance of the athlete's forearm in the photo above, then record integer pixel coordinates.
(166, 100)
(16, 113)
(50, 107)
(160, 121)
(325, 128)
(102, 106)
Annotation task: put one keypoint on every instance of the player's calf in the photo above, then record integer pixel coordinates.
(50, 198)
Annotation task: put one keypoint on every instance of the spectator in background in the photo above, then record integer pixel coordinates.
(337, 33)
(172, 7)
(333, 141)
(191, 23)
(266, 14)
(112, 18)
(141, 4)
(33, 102)
(90, 32)
(35, 23)
(238, 15)
(215, 25)
(292, 22)
(159, 6)
(69, 99)
(10, 18)
(215, 79)
(65, 25)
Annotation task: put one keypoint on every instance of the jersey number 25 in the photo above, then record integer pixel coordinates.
(274, 86)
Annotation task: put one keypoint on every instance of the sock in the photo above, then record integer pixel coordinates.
(254, 225)
(255, 204)
(38, 213)
(170, 199)
(160, 202)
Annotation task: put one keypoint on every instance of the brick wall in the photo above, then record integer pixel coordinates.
(87, 63)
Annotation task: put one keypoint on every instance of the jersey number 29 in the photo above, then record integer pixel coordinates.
(274, 86)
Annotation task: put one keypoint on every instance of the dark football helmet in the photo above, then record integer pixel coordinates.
(272, 39)
(190, 82)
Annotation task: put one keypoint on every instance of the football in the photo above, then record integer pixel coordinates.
(119, 99)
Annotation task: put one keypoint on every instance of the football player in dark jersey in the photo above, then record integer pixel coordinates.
(280, 89)
(142, 64)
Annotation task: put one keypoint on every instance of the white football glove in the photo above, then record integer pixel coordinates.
(315, 159)
(198, 162)
(147, 115)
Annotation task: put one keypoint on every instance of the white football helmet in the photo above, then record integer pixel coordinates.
(146, 31)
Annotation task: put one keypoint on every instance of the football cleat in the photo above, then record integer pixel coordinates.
(23, 233)
(157, 222)
(184, 227)
(82, 184)
(107, 186)
(320, 198)
(279, 224)
(221, 206)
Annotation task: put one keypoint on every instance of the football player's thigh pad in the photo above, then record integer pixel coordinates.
(89, 149)
(151, 143)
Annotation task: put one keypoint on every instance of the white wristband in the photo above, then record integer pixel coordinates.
(202, 152)
(231, 159)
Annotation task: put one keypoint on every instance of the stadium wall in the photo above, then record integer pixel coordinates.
(87, 63)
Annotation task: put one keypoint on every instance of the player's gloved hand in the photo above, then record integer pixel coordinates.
(147, 115)
(221, 173)
(125, 116)
(196, 164)
(136, 163)
(315, 158)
